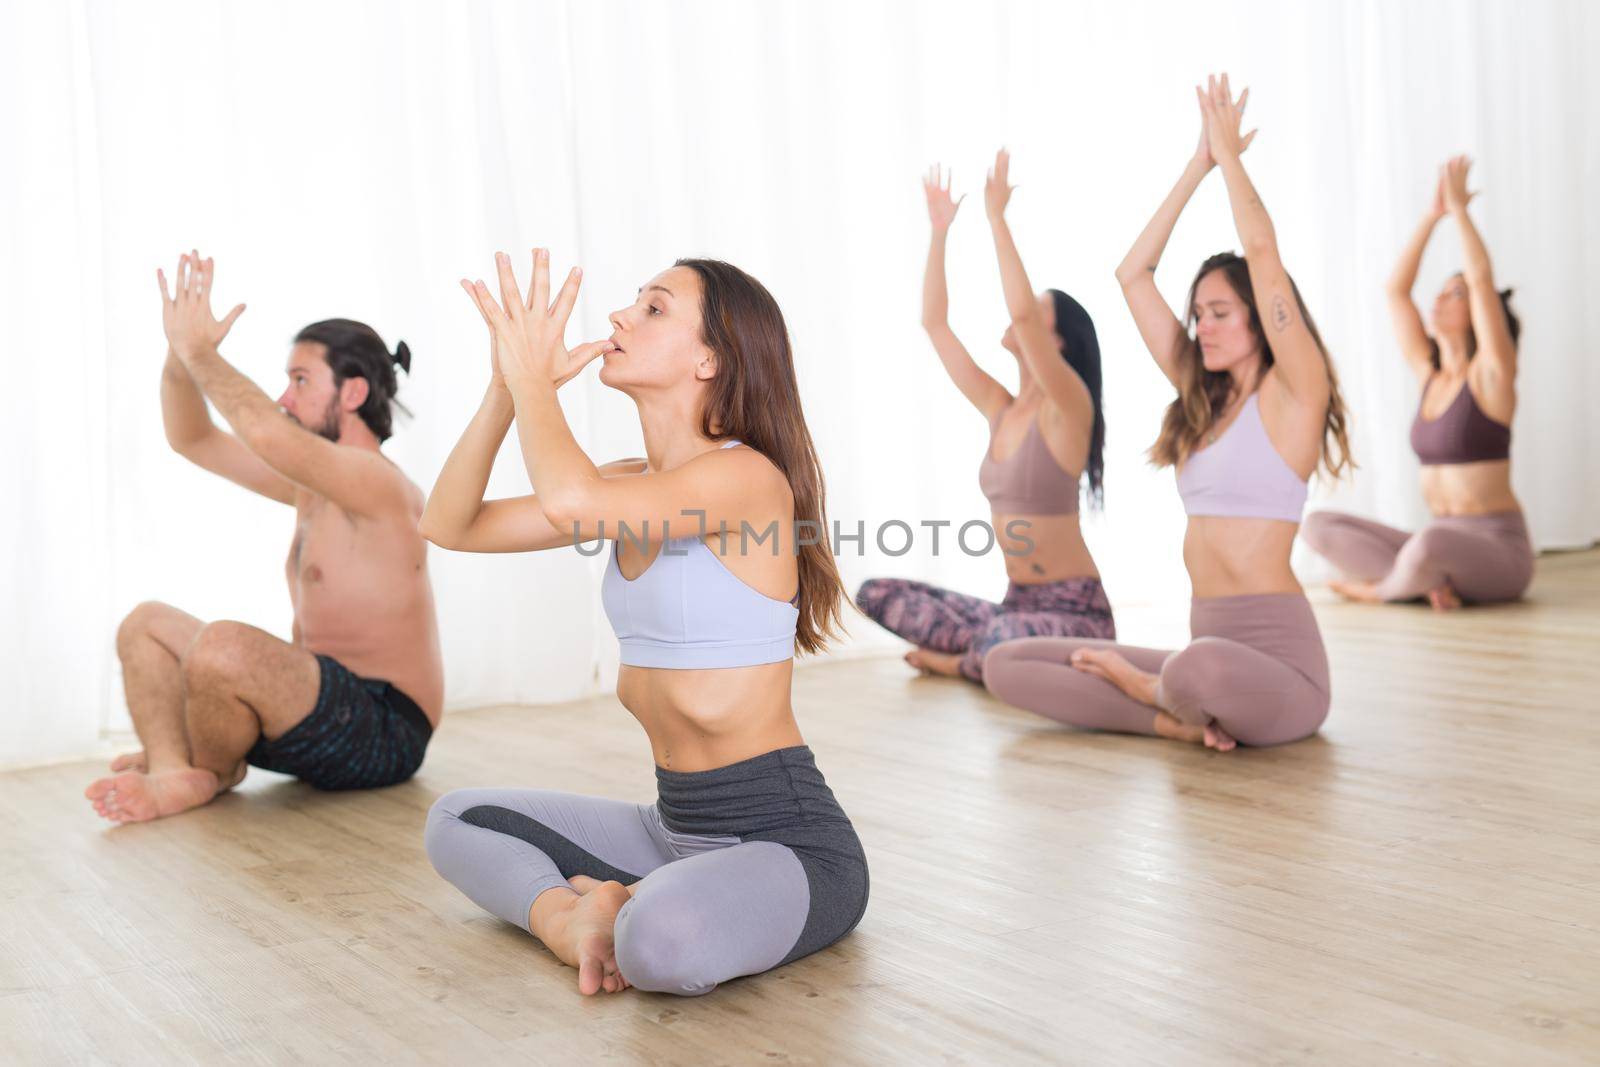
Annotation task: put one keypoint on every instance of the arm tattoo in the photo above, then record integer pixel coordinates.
(1280, 313)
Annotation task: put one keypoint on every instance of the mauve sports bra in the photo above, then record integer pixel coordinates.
(1028, 482)
(1461, 434)
(1240, 475)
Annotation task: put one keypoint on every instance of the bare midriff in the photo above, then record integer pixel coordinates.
(1482, 488)
(1056, 552)
(1229, 556)
(701, 719)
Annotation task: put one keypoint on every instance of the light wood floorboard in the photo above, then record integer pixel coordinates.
(1421, 882)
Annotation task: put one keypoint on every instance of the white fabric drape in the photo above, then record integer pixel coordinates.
(356, 159)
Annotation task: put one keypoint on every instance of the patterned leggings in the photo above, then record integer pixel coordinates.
(943, 621)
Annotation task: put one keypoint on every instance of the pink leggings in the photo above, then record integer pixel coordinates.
(1482, 557)
(1256, 667)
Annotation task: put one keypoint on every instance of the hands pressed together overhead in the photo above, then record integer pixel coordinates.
(1453, 194)
(1220, 119)
(527, 336)
(186, 317)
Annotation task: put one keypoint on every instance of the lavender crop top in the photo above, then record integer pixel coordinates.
(1240, 475)
(688, 611)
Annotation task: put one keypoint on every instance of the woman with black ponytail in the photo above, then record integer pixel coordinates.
(1052, 433)
(1476, 549)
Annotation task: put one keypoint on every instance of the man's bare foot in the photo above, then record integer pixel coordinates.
(1361, 592)
(134, 796)
(1444, 598)
(1114, 668)
(130, 761)
(928, 661)
(580, 930)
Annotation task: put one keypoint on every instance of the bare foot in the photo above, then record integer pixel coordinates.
(1444, 598)
(1114, 668)
(580, 931)
(1212, 735)
(1361, 592)
(130, 761)
(1218, 738)
(134, 796)
(927, 661)
(1174, 730)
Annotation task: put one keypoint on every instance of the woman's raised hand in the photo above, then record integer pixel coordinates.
(997, 188)
(496, 379)
(941, 208)
(528, 337)
(1221, 119)
(1453, 182)
(1202, 151)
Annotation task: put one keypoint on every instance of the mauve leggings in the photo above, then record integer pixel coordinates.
(1484, 558)
(1256, 666)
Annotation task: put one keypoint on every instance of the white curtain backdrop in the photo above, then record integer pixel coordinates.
(355, 159)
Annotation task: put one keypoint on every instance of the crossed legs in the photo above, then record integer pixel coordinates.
(200, 695)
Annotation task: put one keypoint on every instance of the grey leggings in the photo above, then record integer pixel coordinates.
(1484, 558)
(1256, 667)
(740, 869)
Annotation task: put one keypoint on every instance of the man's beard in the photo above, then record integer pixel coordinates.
(329, 427)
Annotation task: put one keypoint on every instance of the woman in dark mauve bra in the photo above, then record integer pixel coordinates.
(1041, 441)
(1476, 549)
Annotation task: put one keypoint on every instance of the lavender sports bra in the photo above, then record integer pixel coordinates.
(1241, 475)
(1461, 434)
(688, 611)
(1029, 482)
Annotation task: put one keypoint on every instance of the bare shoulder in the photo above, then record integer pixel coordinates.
(377, 469)
(750, 469)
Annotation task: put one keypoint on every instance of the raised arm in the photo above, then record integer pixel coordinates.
(1298, 361)
(193, 435)
(1489, 324)
(358, 481)
(1403, 313)
(1040, 349)
(985, 394)
(1161, 329)
(459, 518)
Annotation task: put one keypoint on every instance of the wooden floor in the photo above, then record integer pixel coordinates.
(1420, 882)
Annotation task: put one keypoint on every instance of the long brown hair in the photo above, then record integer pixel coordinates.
(1203, 394)
(755, 398)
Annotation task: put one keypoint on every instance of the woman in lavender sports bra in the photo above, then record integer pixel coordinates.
(1257, 411)
(745, 861)
(1477, 546)
(1052, 431)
